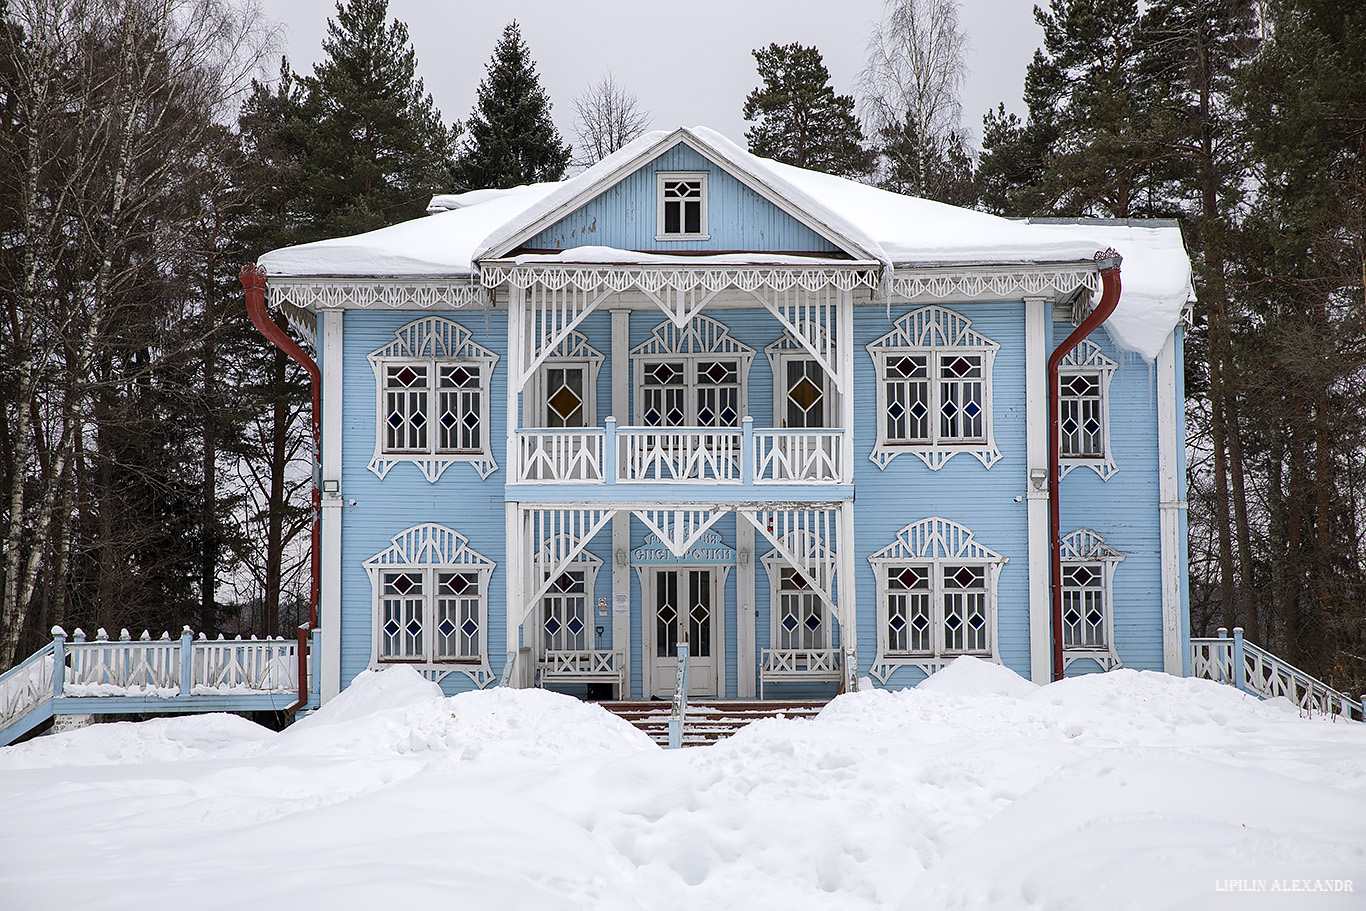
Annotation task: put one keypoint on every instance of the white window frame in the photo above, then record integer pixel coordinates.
(573, 352)
(703, 339)
(1086, 547)
(785, 350)
(663, 177)
(586, 563)
(933, 544)
(434, 343)
(938, 335)
(427, 551)
(818, 563)
(1087, 358)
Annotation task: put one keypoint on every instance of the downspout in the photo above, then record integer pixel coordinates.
(1108, 262)
(253, 279)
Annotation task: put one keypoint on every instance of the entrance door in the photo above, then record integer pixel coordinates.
(685, 605)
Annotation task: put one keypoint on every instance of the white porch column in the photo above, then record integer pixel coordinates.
(1169, 447)
(620, 372)
(847, 580)
(516, 347)
(516, 564)
(745, 633)
(1036, 498)
(845, 342)
(330, 594)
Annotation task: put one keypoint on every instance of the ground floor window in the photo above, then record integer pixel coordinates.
(1088, 573)
(431, 602)
(936, 596)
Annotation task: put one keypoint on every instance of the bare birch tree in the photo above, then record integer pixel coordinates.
(110, 104)
(910, 90)
(606, 117)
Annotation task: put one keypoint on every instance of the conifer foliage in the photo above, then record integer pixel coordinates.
(512, 140)
(799, 120)
(378, 150)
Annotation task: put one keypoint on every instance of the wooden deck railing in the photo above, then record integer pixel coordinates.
(1254, 670)
(680, 455)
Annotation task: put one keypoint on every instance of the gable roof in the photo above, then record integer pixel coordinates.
(741, 165)
(898, 232)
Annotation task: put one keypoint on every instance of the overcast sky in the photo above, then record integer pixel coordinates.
(689, 64)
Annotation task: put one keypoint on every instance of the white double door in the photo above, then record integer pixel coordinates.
(683, 605)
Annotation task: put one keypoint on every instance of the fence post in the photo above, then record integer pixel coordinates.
(186, 661)
(1239, 664)
(609, 452)
(58, 661)
(748, 460)
(1222, 633)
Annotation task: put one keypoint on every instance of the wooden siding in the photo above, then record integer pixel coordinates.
(1123, 509)
(625, 216)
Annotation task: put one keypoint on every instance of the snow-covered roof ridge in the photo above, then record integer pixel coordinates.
(867, 223)
(748, 168)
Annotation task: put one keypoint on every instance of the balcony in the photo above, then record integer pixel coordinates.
(699, 456)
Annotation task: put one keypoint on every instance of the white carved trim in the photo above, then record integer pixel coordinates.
(376, 293)
(930, 330)
(438, 340)
(932, 541)
(992, 283)
(654, 278)
(432, 547)
(1087, 546)
(1088, 358)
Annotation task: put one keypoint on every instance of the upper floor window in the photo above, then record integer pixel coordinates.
(682, 205)
(566, 386)
(1084, 410)
(431, 603)
(936, 597)
(433, 399)
(804, 395)
(934, 389)
(696, 376)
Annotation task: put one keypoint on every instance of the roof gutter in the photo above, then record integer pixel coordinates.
(1108, 263)
(253, 279)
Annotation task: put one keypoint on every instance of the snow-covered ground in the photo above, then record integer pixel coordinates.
(975, 790)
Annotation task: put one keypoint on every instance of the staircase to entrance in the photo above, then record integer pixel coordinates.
(708, 721)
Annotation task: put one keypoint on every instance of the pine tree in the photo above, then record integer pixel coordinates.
(799, 120)
(512, 140)
(378, 149)
(1090, 108)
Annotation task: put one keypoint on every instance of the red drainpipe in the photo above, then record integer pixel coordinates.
(253, 279)
(1109, 263)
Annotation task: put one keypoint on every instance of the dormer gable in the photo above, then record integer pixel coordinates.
(688, 192)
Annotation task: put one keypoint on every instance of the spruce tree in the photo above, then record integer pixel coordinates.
(378, 148)
(512, 140)
(799, 120)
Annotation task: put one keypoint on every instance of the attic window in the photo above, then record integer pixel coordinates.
(682, 205)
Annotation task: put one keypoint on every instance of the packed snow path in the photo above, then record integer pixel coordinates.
(1127, 790)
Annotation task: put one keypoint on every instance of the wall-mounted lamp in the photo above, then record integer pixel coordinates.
(332, 488)
(1037, 477)
(621, 558)
(744, 556)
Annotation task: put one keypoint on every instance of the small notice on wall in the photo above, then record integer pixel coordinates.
(621, 603)
(602, 607)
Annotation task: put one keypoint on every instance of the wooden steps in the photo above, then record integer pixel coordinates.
(709, 720)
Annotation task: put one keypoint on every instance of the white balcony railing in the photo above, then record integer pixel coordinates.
(560, 456)
(690, 454)
(686, 455)
(798, 456)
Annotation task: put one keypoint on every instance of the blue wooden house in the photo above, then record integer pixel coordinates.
(796, 424)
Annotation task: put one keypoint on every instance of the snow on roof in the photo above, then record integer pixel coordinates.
(868, 223)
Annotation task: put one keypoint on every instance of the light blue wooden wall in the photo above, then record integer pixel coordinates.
(625, 216)
(1123, 509)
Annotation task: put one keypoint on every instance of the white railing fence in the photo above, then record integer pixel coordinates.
(798, 665)
(1253, 669)
(798, 456)
(560, 456)
(701, 455)
(27, 685)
